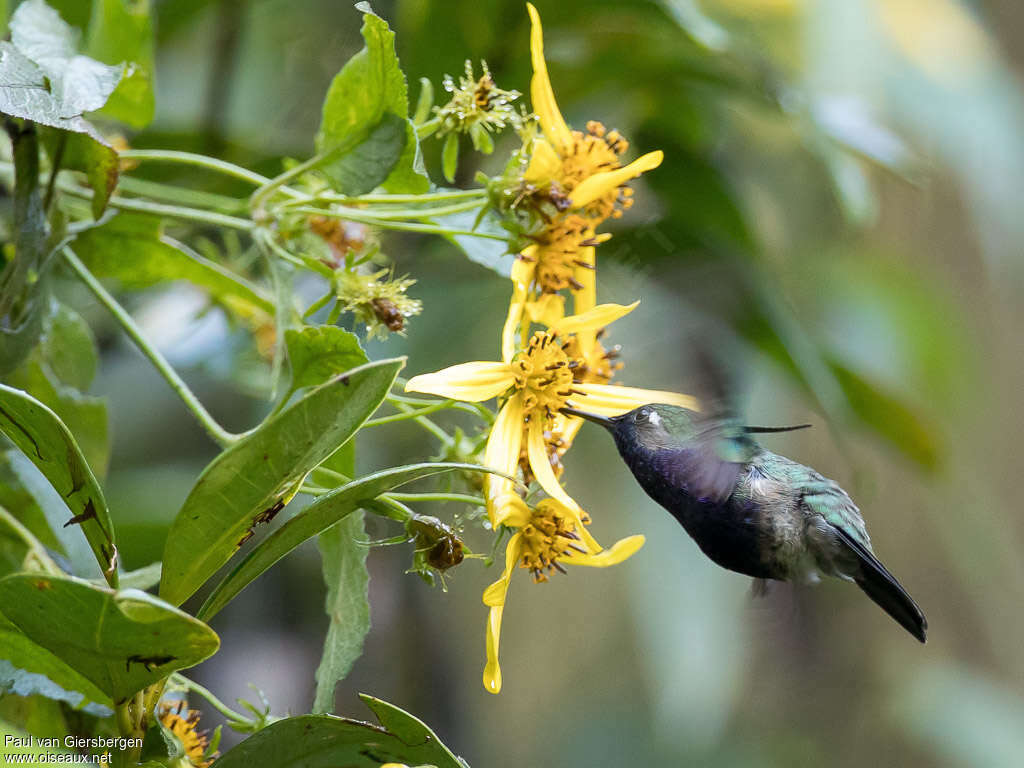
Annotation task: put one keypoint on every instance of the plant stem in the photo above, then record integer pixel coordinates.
(404, 415)
(403, 226)
(401, 213)
(200, 161)
(58, 158)
(220, 435)
(464, 498)
(261, 195)
(173, 194)
(444, 438)
(266, 238)
(456, 194)
(34, 545)
(181, 681)
(158, 209)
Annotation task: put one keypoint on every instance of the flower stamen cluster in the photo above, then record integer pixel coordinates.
(477, 104)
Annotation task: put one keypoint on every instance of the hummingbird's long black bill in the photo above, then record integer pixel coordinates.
(773, 430)
(604, 421)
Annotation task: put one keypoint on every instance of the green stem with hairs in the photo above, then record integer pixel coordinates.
(219, 435)
(196, 215)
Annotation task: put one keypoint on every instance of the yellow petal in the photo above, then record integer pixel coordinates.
(509, 508)
(612, 400)
(494, 595)
(502, 452)
(585, 298)
(524, 268)
(572, 426)
(548, 310)
(544, 104)
(512, 320)
(541, 466)
(545, 164)
(600, 184)
(619, 551)
(473, 382)
(492, 672)
(594, 319)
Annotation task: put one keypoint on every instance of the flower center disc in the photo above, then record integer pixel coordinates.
(543, 375)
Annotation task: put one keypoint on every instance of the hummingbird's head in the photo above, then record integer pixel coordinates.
(652, 427)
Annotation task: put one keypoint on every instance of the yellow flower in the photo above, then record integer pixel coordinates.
(184, 726)
(546, 537)
(585, 166)
(537, 383)
(563, 256)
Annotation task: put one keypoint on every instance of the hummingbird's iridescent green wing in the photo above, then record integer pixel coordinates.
(824, 497)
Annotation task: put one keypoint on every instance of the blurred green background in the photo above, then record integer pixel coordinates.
(841, 199)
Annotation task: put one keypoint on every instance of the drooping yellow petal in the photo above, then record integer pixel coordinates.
(494, 595)
(536, 450)
(544, 104)
(594, 319)
(492, 672)
(615, 554)
(600, 184)
(613, 400)
(545, 164)
(472, 382)
(541, 466)
(502, 452)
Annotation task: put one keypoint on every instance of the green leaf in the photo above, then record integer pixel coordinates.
(46, 441)
(61, 366)
(120, 640)
(889, 417)
(365, 166)
(144, 578)
(343, 549)
(343, 554)
(409, 176)
(90, 155)
(44, 79)
(133, 249)
(121, 30)
(85, 416)
(367, 96)
(27, 669)
(318, 352)
(69, 348)
(18, 743)
(28, 495)
(76, 83)
(326, 511)
(23, 300)
(493, 254)
(322, 740)
(450, 156)
(24, 92)
(253, 479)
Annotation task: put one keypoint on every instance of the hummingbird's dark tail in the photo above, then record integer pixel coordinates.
(882, 587)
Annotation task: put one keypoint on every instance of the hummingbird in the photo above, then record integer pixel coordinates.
(750, 510)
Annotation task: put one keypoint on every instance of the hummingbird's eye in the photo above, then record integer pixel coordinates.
(643, 415)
